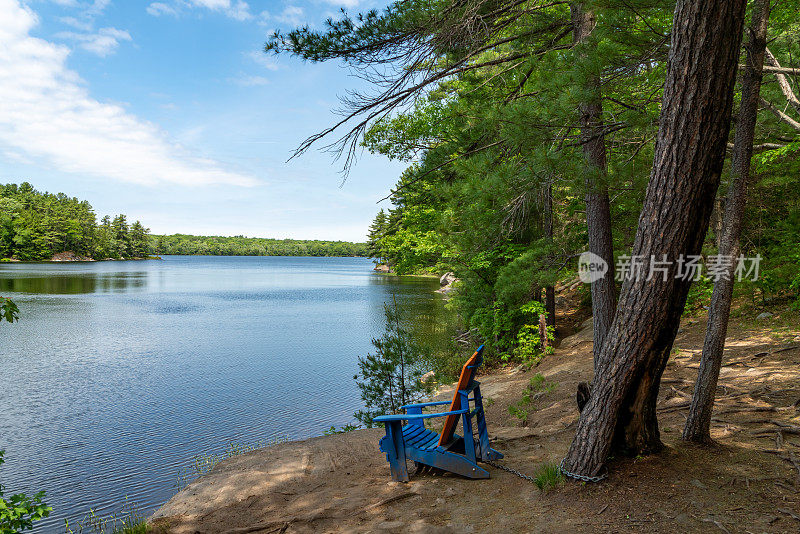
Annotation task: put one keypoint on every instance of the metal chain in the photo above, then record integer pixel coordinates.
(576, 476)
(582, 478)
(510, 470)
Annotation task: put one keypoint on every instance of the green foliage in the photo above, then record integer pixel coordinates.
(391, 377)
(19, 512)
(536, 389)
(128, 521)
(342, 430)
(251, 246)
(489, 122)
(8, 310)
(204, 463)
(548, 477)
(35, 226)
(699, 295)
(529, 339)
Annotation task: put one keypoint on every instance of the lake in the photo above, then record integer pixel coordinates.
(118, 373)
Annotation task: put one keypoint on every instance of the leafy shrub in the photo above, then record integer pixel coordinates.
(699, 295)
(8, 310)
(391, 377)
(343, 430)
(18, 512)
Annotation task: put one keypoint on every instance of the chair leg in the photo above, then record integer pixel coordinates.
(469, 439)
(483, 433)
(396, 451)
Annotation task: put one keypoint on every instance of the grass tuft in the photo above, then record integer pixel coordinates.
(204, 463)
(548, 477)
(536, 389)
(128, 521)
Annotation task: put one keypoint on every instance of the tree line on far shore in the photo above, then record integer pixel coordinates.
(252, 246)
(37, 225)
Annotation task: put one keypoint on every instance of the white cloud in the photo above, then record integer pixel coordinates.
(246, 80)
(97, 7)
(346, 3)
(237, 10)
(77, 24)
(212, 4)
(260, 57)
(291, 15)
(159, 8)
(47, 114)
(103, 42)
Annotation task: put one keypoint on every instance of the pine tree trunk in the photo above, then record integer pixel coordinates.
(689, 153)
(598, 206)
(549, 291)
(698, 424)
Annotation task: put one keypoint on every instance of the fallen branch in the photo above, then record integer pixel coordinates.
(786, 119)
(750, 409)
(761, 147)
(267, 528)
(680, 393)
(390, 500)
(675, 407)
(783, 82)
(786, 427)
(789, 512)
(717, 523)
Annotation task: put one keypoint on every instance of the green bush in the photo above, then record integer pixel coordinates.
(8, 310)
(18, 512)
(391, 377)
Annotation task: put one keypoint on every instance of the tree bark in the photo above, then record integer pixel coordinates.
(549, 291)
(689, 153)
(698, 425)
(598, 205)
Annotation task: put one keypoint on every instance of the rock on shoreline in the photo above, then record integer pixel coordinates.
(70, 256)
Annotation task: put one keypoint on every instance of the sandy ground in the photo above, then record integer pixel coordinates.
(749, 482)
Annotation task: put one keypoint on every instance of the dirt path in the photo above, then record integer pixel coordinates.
(750, 483)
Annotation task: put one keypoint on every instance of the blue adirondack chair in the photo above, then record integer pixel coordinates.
(447, 451)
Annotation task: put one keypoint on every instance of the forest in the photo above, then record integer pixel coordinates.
(536, 131)
(252, 246)
(35, 226)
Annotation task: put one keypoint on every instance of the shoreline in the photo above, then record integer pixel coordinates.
(340, 482)
(92, 260)
(82, 260)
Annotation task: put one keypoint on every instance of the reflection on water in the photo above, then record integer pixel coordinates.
(58, 284)
(123, 371)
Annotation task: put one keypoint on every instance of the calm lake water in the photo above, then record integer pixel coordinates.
(119, 373)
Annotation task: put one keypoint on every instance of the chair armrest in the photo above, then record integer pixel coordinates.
(424, 404)
(407, 417)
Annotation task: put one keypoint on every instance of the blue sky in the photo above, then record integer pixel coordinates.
(170, 113)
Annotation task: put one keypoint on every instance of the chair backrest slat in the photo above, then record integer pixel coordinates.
(467, 374)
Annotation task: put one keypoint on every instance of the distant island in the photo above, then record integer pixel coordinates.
(251, 246)
(41, 226)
